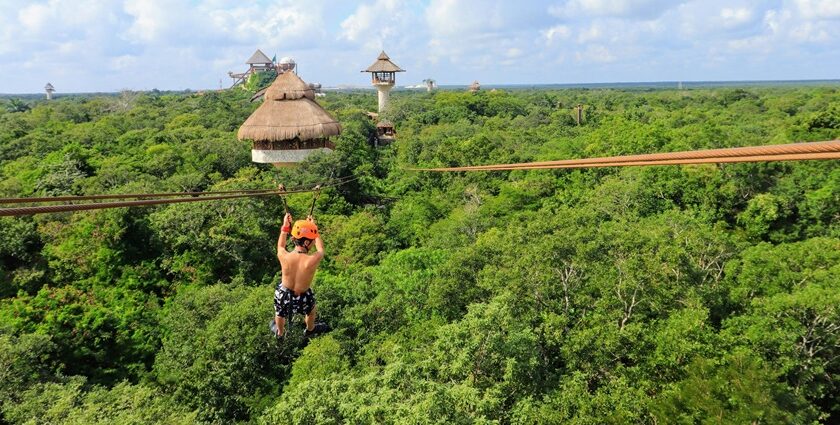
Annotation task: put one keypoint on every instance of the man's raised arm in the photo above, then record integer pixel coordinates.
(319, 243)
(284, 233)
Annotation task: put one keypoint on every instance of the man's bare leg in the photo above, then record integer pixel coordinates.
(281, 325)
(310, 319)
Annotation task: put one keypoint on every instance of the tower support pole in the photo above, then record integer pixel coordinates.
(384, 94)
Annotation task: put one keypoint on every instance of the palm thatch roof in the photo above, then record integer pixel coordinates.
(49, 86)
(258, 57)
(383, 64)
(289, 112)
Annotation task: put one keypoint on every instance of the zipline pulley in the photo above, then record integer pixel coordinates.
(282, 189)
(314, 198)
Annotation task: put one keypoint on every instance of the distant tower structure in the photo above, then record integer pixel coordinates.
(474, 87)
(257, 62)
(286, 64)
(579, 114)
(383, 77)
(50, 90)
(430, 84)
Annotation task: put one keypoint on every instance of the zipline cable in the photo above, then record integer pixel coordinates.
(12, 212)
(122, 196)
(103, 205)
(145, 195)
(722, 160)
(786, 152)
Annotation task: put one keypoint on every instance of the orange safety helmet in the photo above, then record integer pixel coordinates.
(304, 230)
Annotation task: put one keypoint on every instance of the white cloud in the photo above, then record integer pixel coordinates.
(123, 62)
(456, 17)
(111, 44)
(34, 17)
(774, 20)
(475, 33)
(513, 52)
(819, 9)
(382, 24)
(557, 32)
(642, 9)
(736, 16)
(595, 53)
(810, 32)
(374, 20)
(152, 19)
(283, 24)
(590, 34)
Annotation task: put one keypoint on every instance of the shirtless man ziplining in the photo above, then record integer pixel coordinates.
(294, 293)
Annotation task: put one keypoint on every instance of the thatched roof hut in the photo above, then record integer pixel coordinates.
(475, 86)
(289, 125)
(383, 64)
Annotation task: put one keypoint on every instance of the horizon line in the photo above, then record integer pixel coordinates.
(337, 87)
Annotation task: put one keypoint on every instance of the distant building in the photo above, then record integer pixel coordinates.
(50, 90)
(257, 62)
(385, 133)
(475, 86)
(383, 77)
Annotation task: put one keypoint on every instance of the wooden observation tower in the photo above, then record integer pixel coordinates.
(256, 63)
(383, 77)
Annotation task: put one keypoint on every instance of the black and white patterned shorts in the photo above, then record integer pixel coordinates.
(287, 303)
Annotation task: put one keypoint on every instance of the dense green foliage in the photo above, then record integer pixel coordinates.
(259, 80)
(693, 294)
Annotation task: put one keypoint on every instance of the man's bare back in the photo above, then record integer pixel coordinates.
(298, 269)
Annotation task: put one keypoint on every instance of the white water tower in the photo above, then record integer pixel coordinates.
(50, 90)
(383, 77)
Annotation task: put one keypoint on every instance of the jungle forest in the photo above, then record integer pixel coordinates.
(681, 294)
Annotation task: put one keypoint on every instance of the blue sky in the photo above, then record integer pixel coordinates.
(109, 45)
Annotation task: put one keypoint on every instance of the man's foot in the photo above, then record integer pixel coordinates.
(273, 327)
(317, 330)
